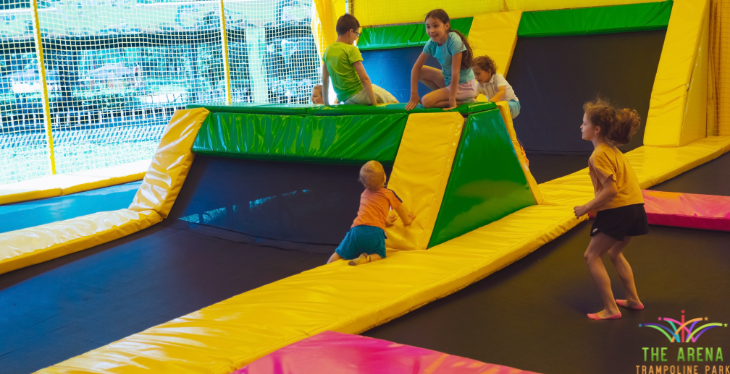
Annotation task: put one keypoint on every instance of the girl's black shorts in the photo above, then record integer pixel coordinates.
(621, 222)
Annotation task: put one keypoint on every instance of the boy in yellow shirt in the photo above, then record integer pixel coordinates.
(342, 62)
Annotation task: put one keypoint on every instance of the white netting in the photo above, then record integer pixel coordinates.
(272, 52)
(23, 146)
(117, 69)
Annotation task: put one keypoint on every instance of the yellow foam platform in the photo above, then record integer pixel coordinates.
(153, 201)
(420, 173)
(65, 184)
(34, 245)
(652, 165)
(230, 334)
(171, 163)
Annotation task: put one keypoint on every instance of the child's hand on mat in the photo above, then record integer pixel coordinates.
(391, 220)
(411, 217)
(412, 103)
(580, 211)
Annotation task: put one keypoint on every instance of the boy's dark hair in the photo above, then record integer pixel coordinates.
(467, 59)
(346, 23)
(617, 125)
(486, 63)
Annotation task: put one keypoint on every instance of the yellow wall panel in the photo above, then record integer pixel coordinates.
(720, 67)
(495, 35)
(420, 173)
(694, 124)
(669, 95)
(171, 163)
(387, 12)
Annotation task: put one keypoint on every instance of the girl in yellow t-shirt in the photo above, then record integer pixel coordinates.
(618, 202)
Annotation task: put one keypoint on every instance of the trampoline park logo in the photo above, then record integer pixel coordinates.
(689, 359)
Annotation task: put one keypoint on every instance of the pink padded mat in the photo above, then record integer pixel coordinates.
(707, 212)
(333, 352)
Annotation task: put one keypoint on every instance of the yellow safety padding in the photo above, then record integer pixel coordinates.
(228, 335)
(720, 67)
(524, 163)
(34, 245)
(65, 184)
(420, 173)
(652, 166)
(694, 124)
(387, 12)
(171, 163)
(495, 35)
(668, 106)
(326, 33)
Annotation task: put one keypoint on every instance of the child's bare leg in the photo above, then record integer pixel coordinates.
(334, 258)
(600, 244)
(436, 99)
(431, 77)
(625, 273)
(364, 259)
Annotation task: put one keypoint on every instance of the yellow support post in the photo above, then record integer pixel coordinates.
(44, 88)
(224, 36)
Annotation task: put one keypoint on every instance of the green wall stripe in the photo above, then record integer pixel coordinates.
(403, 36)
(598, 20)
(333, 139)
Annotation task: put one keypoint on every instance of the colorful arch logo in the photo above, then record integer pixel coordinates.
(683, 331)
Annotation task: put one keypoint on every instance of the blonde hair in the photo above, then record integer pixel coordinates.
(372, 175)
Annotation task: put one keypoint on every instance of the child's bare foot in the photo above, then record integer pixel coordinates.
(604, 314)
(363, 259)
(630, 304)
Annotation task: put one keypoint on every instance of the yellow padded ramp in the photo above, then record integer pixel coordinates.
(230, 334)
(171, 163)
(507, 118)
(495, 35)
(668, 111)
(34, 245)
(371, 12)
(65, 184)
(421, 172)
(652, 165)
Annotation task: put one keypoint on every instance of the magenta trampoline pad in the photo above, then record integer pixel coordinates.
(333, 352)
(707, 212)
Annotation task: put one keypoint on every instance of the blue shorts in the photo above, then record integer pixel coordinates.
(514, 108)
(362, 239)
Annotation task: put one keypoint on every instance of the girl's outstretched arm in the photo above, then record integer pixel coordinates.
(455, 75)
(325, 85)
(405, 214)
(415, 76)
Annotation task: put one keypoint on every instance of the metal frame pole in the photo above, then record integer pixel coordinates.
(44, 87)
(227, 68)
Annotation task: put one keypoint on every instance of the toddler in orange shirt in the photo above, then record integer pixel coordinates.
(365, 242)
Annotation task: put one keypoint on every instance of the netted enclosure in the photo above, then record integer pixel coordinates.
(116, 70)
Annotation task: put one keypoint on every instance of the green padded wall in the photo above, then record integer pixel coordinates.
(598, 20)
(486, 182)
(403, 36)
(327, 139)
